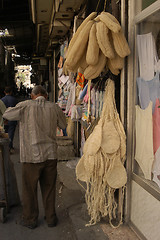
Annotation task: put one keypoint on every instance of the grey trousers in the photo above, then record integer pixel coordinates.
(45, 173)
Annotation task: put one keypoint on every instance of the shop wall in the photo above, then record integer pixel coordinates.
(143, 194)
(145, 212)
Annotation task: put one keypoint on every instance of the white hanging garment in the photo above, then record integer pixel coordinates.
(71, 98)
(144, 140)
(146, 55)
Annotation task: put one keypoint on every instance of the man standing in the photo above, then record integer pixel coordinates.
(10, 127)
(38, 120)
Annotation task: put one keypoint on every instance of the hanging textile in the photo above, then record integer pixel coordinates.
(148, 91)
(156, 126)
(156, 142)
(144, 140)
(71, 99)
(81, 80)
(146, 55)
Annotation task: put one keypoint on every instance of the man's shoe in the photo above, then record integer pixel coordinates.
(28, 225)
(53, 223)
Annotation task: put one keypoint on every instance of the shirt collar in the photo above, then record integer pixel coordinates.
(40, 97)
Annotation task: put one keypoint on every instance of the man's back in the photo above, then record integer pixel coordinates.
(39, 119)
(38, 123)
(9, 101)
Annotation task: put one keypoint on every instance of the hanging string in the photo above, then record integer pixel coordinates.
(105, 5)
(89, 100)
(97, 5)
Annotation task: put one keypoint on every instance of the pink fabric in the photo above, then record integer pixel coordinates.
(156, 127)
(86, 97)
(70, 110)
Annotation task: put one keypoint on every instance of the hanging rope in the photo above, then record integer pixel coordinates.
(97, 5)
(105, 5)
(89, 100)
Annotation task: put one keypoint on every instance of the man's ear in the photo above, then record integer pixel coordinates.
(32, 96)
(46, 96)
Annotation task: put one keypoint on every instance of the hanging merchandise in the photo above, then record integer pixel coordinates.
(144, 140)
(156, 143)
(76, 110)
(147, 152)
(80, 79)
(77, 37)
(89, 121)
(73, 107)
(60, 63)
(89, 101)
(64, 85)
(92, 54)
(62, 80)
(99, 41)
(70, 128)
(146, 55)
(148, 91)
(102, 163)
(71, 99)
(93, 102)
(148, 81)
(65, 48)
(60, 72)
(63, 52)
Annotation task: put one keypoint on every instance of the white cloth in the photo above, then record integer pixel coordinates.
(60, 71)
(71, 98)
(146, 55)
(76, 112)
(63, 79)
(144, 140)
(93, 102)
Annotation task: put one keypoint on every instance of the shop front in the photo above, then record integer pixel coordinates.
(82, 91)
(143, 111)
(137, 103)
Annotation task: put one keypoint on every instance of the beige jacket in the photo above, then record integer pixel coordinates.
(38, 121)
